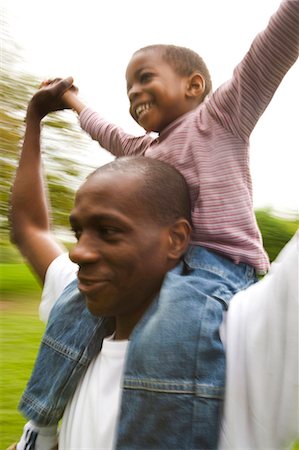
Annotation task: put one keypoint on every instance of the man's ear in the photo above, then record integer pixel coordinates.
(179, 238)
(195, 85)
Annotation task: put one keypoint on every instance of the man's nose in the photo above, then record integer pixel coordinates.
(84, 252)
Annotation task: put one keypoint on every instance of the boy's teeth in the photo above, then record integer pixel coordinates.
(142, 108)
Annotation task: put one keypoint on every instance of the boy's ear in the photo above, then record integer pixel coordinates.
(179, 238)
(195, 86)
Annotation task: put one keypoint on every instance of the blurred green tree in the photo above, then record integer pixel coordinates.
(276, 231)
(65, 147)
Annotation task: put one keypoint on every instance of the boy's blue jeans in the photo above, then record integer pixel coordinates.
(175, 370)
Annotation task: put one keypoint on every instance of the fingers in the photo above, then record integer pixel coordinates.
(61, 84)
(45, 83)
(49, 97)
(49, 82)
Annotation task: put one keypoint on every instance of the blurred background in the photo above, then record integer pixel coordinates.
(93, 42)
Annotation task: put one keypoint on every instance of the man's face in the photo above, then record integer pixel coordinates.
(121, 252)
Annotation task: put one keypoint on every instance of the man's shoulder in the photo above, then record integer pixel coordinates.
(59, 274)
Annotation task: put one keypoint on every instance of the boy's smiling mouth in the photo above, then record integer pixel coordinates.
(140, 109)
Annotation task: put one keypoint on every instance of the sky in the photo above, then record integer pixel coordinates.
(93, 40)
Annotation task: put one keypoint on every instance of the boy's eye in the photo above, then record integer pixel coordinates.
(145, 77)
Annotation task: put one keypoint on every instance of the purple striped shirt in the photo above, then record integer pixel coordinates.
(210, 144)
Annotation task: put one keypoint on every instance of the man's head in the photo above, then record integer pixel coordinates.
(164, 82)
(132, 221)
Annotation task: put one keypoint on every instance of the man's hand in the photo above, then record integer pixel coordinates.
(49, 97)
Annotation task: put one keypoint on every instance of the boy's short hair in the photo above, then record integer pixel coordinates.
(184, 61)
(163, 191)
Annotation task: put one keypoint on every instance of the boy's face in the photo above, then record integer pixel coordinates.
(121, 251)
(156, 92)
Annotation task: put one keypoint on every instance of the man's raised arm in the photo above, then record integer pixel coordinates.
(30, 226)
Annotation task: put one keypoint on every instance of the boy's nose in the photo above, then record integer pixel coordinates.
(134, 92)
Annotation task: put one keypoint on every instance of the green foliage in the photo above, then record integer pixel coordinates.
(63, 198)
(276, 231)
(65, 147)
(9, 253)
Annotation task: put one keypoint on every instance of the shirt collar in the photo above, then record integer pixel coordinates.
(164, 133)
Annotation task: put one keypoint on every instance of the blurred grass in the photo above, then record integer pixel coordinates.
(20, 335)
(17, 280)
(21, 332)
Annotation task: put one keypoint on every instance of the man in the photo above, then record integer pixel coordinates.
(130, 244)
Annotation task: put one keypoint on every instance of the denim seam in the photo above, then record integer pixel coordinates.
(248, 273)
(209, 268)
(77, 358)
(33, 403)
(175, 387)
(65, 350)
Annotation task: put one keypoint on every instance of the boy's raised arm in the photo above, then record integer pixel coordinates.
(30, 226)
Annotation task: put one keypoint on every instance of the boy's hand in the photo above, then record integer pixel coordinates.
(49, 97)
(71, 99)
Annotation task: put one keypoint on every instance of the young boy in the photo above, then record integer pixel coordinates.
(206, 137)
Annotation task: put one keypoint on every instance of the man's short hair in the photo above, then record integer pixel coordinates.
(163, 189)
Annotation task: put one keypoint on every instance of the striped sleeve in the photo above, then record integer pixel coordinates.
(111, 137)
(239, 103)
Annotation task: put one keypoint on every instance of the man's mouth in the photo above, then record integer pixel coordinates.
(87, 286)
(141, 109)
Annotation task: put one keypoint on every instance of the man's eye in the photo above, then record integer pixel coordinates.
(107, 232)
(77, 233)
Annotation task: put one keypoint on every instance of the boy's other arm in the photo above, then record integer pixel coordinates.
(239, 103)
(30, 224)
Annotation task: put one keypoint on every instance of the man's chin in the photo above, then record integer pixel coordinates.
(98, 310)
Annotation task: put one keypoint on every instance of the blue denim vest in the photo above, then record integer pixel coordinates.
(174, 376)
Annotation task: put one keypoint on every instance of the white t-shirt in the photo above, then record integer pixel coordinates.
(59, 274)
(260, 333)
(90, 418)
